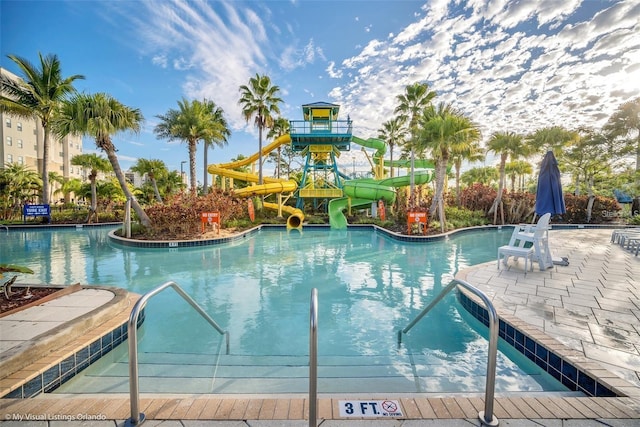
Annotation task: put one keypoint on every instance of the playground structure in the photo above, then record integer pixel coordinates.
(320, 139)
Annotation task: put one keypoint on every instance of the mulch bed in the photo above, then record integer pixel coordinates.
(22, 297)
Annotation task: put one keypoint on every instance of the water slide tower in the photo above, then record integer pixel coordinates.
(320, 138)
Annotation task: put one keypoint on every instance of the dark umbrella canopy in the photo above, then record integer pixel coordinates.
(549, 197)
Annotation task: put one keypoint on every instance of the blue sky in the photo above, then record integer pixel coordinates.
(509, 65)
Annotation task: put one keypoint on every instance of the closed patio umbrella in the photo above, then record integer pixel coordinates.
(549, 197)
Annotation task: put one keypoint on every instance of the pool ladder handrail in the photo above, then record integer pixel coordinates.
(313, 359)
(486, 416)
(138, 417)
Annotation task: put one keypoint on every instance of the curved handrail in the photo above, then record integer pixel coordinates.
(485, 416)
(137, 417)
(313, 359)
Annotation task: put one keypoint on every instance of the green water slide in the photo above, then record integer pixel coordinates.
(362, 192)
(377, 144)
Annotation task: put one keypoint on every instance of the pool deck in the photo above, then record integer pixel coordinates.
(588, 311)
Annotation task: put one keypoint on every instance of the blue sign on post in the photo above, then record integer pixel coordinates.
(36, 210)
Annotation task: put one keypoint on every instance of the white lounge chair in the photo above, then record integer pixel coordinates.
(530, 242)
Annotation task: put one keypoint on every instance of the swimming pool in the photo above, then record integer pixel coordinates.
(369, 287)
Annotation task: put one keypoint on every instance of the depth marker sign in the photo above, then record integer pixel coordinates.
(370, 408)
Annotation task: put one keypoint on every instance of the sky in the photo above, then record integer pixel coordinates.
(508, 65)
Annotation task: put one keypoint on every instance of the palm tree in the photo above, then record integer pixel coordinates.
(219, 139)
(95, 164)
(193, 121)
(37, 96)
(171, 183)
(550, 138)
(505, 144)
(70, 186)
(260, 99)
(18, 184)
(415, 99)
(515, 169)
(470, 151)
(393, 131)
(484, 175)
(99, 116)
(443, 130)
(54, 178)
(154, 169)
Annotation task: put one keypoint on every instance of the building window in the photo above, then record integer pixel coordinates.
(19, 141)
(20, 160)
(61, 154)
(71, 145)
(19, 126)
(35, 147)
(62, 168)
(8, 122)
(9, 141)
(9, 158)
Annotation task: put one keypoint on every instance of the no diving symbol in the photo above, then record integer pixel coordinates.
(389, 406)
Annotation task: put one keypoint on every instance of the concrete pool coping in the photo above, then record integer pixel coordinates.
(591, 256)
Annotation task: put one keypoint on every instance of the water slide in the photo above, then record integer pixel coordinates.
(269, 185)
(364, 191)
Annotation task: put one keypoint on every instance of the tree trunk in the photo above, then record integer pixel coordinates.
(592, 198)
(498, 200)
(192, 168)
(45, 166)
(434, 202)
(155, 190)
(94, 199)
(113, 159)
(205, 146)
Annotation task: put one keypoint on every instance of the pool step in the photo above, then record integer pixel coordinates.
(238, 374)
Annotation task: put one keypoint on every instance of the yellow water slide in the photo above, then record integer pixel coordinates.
(269, 185)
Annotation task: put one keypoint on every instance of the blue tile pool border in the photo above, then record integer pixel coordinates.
(63, 371)
(558, 367)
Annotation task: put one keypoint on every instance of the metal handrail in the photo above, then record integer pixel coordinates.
(486, 416)
(313, 359)
(138, 417)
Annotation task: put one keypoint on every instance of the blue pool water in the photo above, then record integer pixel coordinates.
(369, 287)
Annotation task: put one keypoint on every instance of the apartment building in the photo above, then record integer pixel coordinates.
(23, 143)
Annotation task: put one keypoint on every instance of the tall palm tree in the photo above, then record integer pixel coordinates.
(38, 95)
(550, 138)
(443, 130)
(193, 121)
(260, 99)
(154, 169)
(95, 164)
(393, 132)
(415, 99)
(100, 116)
(217, 139)
(506, 144)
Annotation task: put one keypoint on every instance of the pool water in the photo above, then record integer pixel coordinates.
(258, 288)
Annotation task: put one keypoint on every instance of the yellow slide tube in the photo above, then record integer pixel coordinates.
(269, 186)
